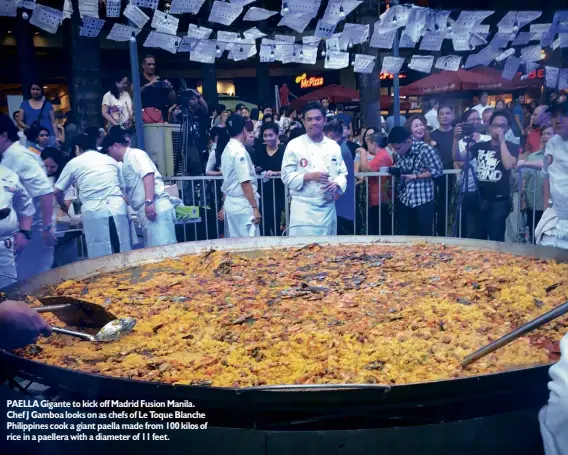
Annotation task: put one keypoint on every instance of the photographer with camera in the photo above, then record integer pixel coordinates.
(467, 132)
(494, 161)
(417, 167)
(157, 94)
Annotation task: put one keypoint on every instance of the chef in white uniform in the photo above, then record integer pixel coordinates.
(552, 230)
(37, 256)
(144, 190)
(241, 212)
(103, 208)
(15, 229)
(314, 171)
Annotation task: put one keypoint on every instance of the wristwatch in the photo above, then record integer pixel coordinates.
(148, 202)
(26, 234)
(48, 227)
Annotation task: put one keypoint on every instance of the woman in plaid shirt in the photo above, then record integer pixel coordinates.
(418, 164)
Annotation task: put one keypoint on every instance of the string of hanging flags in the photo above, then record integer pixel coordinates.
(517, 42)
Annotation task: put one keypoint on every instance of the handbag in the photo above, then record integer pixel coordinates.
(152, 115)
(37, 123)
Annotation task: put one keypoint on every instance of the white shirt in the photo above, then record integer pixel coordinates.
(471, 186)
(432, 119)
(119, 109)
(237, 168)
(14, 196)
(135, 166)
(479, 108)
(31, 171)
(96, 175)
(302, 156)
(211, 162)
(557, 173)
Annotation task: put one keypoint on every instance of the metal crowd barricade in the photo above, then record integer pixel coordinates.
(204, 192)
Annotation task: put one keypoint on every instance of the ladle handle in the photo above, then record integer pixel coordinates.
(50, 308)
(83, 336)
(528, 327)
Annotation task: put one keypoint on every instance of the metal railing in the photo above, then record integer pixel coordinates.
(204, 192)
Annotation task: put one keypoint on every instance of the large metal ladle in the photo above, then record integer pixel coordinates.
(112, 331)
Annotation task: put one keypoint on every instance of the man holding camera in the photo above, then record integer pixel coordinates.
(417, 167)
(494, 160)
(157, 94)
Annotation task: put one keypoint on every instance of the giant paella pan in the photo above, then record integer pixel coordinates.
(297, 327)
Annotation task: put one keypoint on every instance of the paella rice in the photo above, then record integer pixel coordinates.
(317, 315)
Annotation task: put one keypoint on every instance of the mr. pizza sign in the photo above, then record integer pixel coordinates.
(309, 82)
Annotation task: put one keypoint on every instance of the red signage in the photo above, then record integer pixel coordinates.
(536, 74)
(385, 76)
(309, 82)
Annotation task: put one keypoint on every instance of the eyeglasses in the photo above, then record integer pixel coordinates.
(43, 135)
(503, 126)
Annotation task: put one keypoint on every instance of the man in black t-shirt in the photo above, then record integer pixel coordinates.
(444, 139)
(156, 94)
(493, 161)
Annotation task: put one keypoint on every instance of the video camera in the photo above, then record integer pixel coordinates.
(469, 129)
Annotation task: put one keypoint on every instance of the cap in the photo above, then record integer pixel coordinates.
(560, 105)
(236, 124)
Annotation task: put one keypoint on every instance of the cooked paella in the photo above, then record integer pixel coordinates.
(388, 314)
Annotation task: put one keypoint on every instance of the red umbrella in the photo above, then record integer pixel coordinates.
(339, 94)
(449, 81)
(515, 84)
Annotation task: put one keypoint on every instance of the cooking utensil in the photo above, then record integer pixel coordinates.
(112, 331)
(522, 330)
(76, 312)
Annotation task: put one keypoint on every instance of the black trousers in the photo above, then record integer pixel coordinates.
(345, 226)
(490, 220)
(114, 241)
(384, 221)
(443, 188)
(417, 220)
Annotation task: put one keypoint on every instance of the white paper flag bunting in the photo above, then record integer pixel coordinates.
(185, 6)
(284, 39)
(336, 60)
(522, 39)
(113, 8)
(364, 63)
(266, 55)
(324, 30)
(505, 55)
(477, 39)
(224, 13)
(563, 40)
(240, 51)
(204, 52)
(136, 15)
(422, 63)
(163, 41)
(531, 53)
(254, 33)
(471, 61)
(91, 27)
(89, 8)
(469, 19)
(332, 44)
(309, 55)
(152, 4)
(355, 33)
(311, 40)
(187, 44)
(382, 40)
(437, 21)
(509, 20)
(486, 55)
(194, 31)
(449, 63)
(8, 8)
(406, 40)
(121, 32)
(226, 40)
(551, 76)
(338, 10)
(529, 68)
(511, 67)
(416, 22)
(402, 13)
(258, 14)
(296, 22)
(387, 21)
(461, 42)
(46, 18)
(26, 4)
(501, 40)
(67, 9)
(563, 79)
(301, 7)
(432, 41)
(392, 65)
(165, 23)
(539, 30)
(242, 2)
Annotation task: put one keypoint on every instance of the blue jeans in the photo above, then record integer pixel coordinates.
(490, 220)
